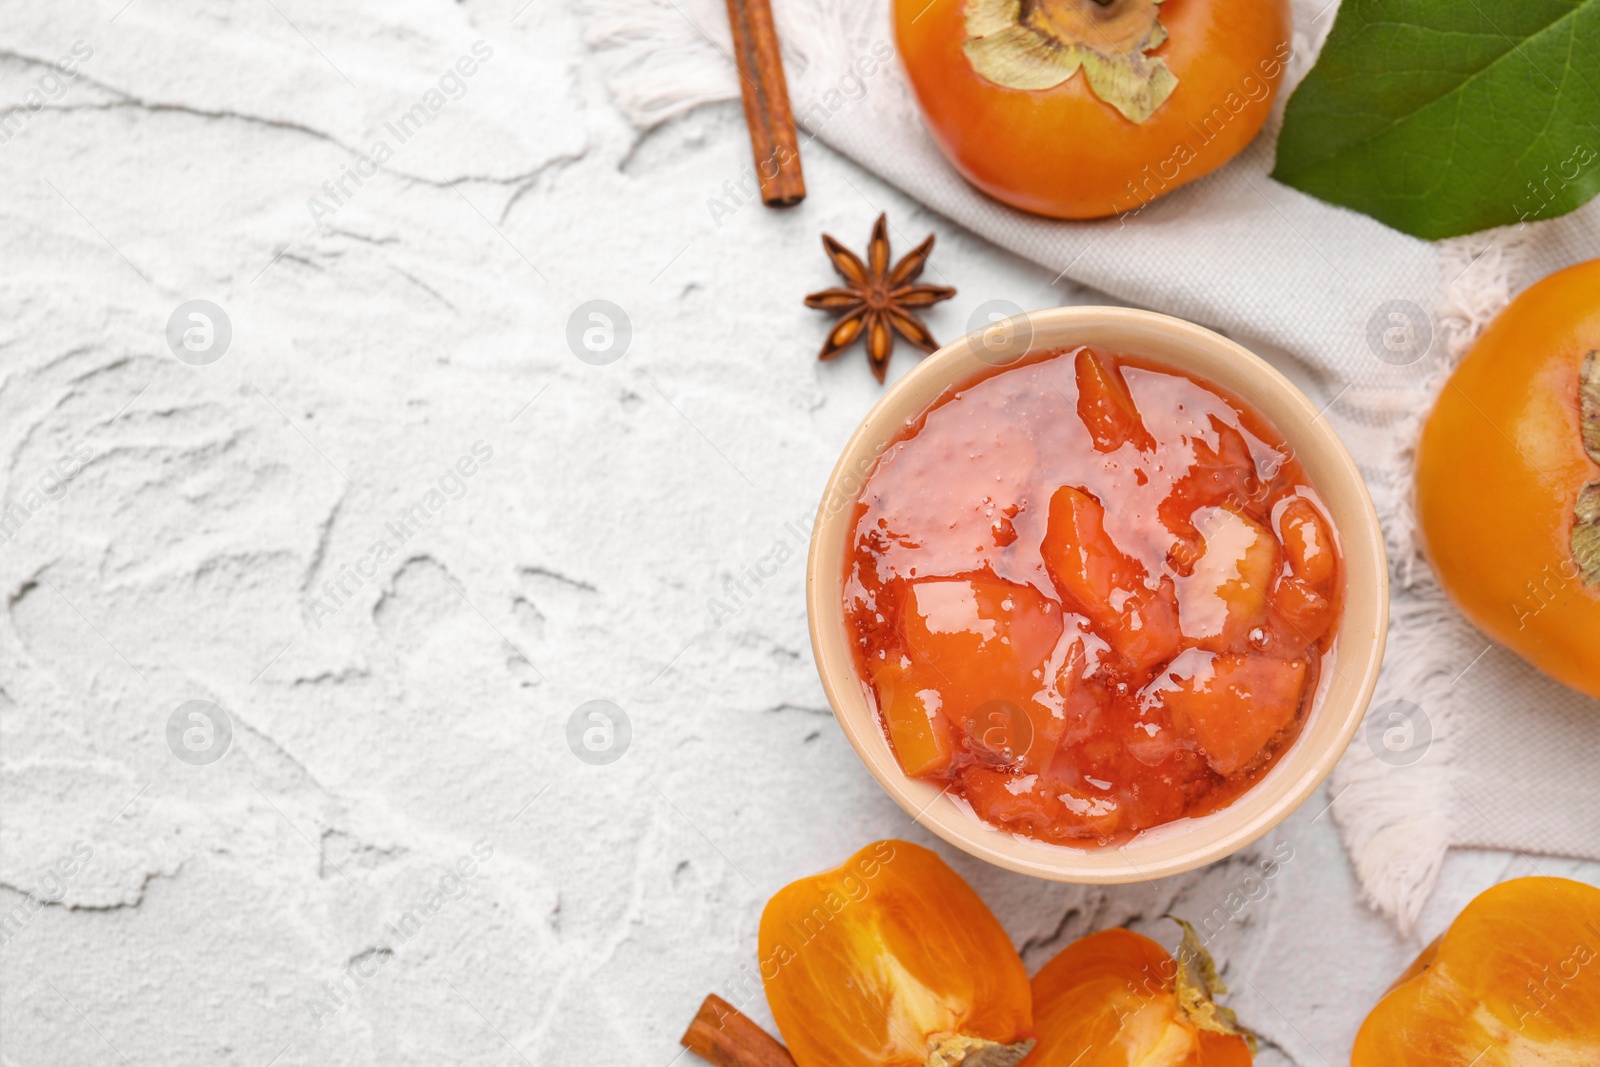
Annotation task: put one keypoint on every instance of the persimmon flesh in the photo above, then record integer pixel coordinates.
(891, 960)
(1514, 982)
(1117, 999)
(1086, 108)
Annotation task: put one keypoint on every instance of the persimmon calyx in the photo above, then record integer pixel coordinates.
(1199, 985)
(1586, 524)
(1039, 44)
(964, 1051)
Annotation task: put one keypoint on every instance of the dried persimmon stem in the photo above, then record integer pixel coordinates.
(1198, 986)
(963, 1051)
(724, 1036)
(1044, 43)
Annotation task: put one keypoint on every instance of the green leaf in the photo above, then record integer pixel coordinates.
(1444, 117)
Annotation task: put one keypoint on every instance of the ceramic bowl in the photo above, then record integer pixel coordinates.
(1346, 689)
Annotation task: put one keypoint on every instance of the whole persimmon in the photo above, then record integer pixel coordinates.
(1514, 982)
(1116, 999)
(1080, 109)
(1508, 479)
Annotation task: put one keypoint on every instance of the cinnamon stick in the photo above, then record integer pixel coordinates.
(721, 1035)
(766, 103)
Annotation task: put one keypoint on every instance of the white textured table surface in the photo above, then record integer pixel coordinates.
(286, 533)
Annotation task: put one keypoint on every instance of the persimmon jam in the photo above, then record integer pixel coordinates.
(1090, 594)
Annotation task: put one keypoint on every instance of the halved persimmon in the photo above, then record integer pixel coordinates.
(893, 961)
(1084, 108)
(1514, 982)
(1117, 999)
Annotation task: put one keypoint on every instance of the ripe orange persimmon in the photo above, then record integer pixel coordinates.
(1508, 479)
(1085, 108)
(1514, 982)
(893, 961)
(1117, 999)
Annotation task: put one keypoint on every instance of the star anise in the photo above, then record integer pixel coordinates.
(877, 299)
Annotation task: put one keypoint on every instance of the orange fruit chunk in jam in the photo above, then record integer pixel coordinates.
(1230, 705)
(1112, 590)
(1225, 596)
(982, 648)
(922, 738)
(1309, 544)
(1143, 640)
(1106, 407)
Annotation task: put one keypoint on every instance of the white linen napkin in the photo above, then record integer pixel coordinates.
(1465, 746)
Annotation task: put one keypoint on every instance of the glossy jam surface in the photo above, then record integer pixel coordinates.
(1091, 594)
